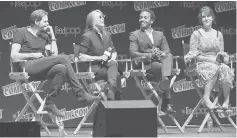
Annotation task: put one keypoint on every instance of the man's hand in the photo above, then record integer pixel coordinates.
(36, 55)
(50, 28)
(163, 54)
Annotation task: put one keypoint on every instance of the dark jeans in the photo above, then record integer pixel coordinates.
(161, 69)
(108, 72)
(59, 69)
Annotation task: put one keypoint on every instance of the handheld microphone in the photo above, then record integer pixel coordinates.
(108, 53)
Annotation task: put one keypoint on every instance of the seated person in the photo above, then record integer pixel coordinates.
(151, 44)
(207, 48)
(96, 44)
(29, 44)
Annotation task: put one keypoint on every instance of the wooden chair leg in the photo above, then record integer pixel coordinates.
(31, 105)
(153, 92)
(192, 114)
(92, 107)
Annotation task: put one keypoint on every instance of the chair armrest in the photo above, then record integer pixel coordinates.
(19, 61)
(139, 59)
(176, 57)
(126, 73)
(84, 60)
(123, 60)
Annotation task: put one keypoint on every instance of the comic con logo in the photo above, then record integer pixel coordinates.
(8, 33)
(225, 6)
(67, 31)
(15, 89)
(140, 5)
(184, 85)
(113, 4)
(116, 29)
(26, 4)
(60, 5)
(73, 114)
(193, 4)
(182, 31)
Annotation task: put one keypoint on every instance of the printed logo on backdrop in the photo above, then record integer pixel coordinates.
(182, 31)
(112, 4)
(140, 5)
(8, 33)
(225, 6)
(203, 111)
(69, 115)
(147, 93)
(66, 31)
(200, 111)
(26, 4)
(228, 31)
(27, 116)
(193, 4)
(226, 114)
(14, 89)
(184, 85)
(72, 114)
(60, 5)
(116, 29)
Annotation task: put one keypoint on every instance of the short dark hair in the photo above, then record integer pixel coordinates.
(37, 15)
(208, 10)
(153, 16)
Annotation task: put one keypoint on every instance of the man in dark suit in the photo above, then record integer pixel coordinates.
(144, 42)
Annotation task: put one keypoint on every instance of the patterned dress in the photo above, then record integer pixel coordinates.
(209, 47)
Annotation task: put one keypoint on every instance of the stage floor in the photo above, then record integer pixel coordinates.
(173, 132)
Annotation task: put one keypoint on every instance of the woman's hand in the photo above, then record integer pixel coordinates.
(103, 58)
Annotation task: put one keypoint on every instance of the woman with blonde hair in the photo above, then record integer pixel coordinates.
(207, 48)
(96, 44)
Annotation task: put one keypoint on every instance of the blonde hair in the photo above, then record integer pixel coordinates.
(89, 20)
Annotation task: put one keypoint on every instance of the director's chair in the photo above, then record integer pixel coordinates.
(95, 87)
(21, 76)
(141, 74)
(191, 72)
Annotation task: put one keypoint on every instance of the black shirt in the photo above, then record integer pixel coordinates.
(29, 43)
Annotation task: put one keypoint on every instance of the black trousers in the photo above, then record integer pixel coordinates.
(59, 69)
(108, 72)
(158, 69)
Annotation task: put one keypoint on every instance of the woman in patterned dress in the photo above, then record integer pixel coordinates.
(205, 44)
